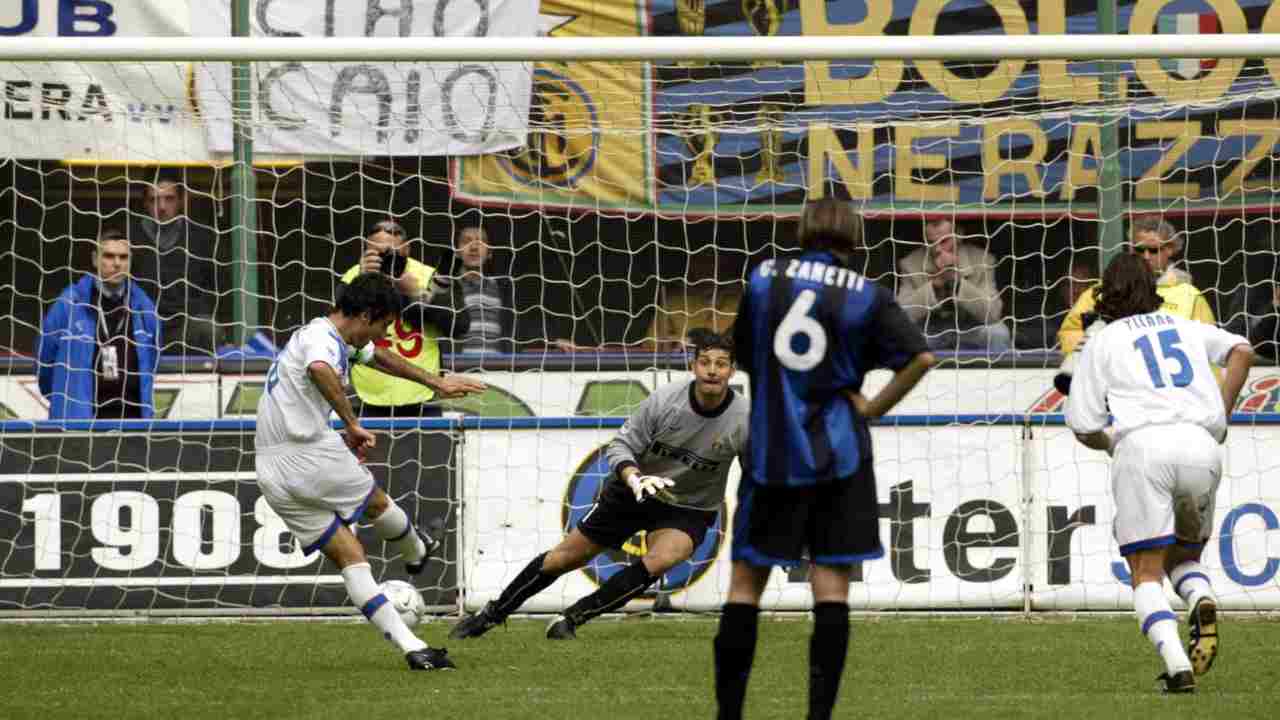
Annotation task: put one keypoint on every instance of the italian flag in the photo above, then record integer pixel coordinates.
(1187, 24)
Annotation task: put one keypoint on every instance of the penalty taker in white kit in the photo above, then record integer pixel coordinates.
(1152, 372)
(669, 462)
(308, 472)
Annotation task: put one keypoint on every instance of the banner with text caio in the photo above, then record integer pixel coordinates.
(350, 107)
(1007, 138)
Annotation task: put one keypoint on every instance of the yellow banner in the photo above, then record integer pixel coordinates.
(1005, 138)
(568, 160)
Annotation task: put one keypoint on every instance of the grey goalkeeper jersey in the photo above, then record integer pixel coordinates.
(668, 435)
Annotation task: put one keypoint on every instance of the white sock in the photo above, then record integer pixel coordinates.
(1160, 625)
(394, 527)
(365, 594)
(1191, 582)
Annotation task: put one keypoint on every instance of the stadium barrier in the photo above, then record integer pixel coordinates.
(980, 512)
(613, 388)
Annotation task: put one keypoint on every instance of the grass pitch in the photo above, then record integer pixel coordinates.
(899, 667)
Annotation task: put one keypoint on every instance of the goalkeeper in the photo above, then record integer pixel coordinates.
(669, 464)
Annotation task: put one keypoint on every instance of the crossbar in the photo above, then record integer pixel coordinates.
(494, 49)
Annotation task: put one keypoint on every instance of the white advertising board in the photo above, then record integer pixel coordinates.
(971, 517)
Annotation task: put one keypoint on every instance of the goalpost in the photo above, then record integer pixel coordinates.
(613, 176)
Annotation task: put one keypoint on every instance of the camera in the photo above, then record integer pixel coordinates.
(393, 263)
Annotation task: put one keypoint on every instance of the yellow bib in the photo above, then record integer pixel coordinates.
(419, 348)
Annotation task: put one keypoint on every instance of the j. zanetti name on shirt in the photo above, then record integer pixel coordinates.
(815, 271)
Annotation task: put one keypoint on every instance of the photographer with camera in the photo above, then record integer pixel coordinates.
(415, 336)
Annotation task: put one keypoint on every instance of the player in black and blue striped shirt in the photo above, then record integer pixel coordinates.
(808, 331)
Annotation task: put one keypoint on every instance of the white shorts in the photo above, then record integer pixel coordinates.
(1164, 479)
(314, 488)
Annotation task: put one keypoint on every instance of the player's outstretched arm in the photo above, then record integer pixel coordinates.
(446, 387)
(906, 378)
(1238, 364)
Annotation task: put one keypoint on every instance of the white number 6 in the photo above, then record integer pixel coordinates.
(798, 322)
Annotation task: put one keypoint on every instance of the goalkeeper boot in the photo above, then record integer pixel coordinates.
(561, 628)
(1178, 683)
(433, 547)
(429, 659)
(1202, 647)
(477, 624)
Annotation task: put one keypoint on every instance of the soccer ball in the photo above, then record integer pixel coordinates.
(406, 600)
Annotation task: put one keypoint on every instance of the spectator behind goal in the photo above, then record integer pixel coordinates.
(100, 342)
(414, 336)
(1156, 242)
(485, 298)
(948, 289)
(175, 261)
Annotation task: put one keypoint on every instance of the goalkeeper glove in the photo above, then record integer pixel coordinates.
(643, 485)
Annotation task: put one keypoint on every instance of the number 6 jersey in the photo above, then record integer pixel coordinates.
(1151, 369)
(807, 328)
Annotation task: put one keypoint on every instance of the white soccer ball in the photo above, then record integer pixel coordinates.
(406, 600)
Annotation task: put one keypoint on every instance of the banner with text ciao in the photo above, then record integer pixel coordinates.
(373, 108)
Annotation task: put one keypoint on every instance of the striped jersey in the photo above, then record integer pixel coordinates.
(670, 435)
(482, 298)
(808, 328)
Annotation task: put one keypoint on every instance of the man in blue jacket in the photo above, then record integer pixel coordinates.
(99, 344)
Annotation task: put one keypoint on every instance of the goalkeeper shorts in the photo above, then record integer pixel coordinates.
(617, 516)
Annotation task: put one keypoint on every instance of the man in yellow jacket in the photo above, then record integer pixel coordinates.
(415, 336)
(1154, 240)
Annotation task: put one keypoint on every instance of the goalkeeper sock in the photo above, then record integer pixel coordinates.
(735, 650)
(1191, 582)
(365, 594)
(393, 526)
(1160, 625)
(613, 594)
(828, 648)
(528, 583)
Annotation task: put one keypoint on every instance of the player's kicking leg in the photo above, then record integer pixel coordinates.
(317, 494)
(573, 552)
(668, 547)
(1156, 618)
(345, 551)
(393, 527)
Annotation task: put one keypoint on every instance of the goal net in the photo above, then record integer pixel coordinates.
(619, 205)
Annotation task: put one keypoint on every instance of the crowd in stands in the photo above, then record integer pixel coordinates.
(157, 281)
